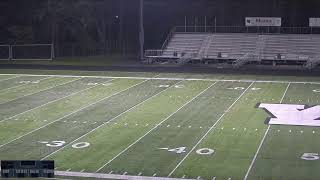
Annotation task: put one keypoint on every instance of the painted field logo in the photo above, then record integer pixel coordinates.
(292, 114)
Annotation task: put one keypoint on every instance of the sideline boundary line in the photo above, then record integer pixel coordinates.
(147, 133)
(179, 79)
(110, 120)
(263, 139)
(111, 176)
(212, 127)
(73, 112)
(53, 101)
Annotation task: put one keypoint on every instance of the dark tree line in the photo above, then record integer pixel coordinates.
(76, 27)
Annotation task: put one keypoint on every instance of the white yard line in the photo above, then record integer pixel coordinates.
(110, 176)
(40, 90)
(263, 139)
(74, 112)
(154, 127)
(107, 122)
(19, 85)
(213, 126)
(10, 78)
(179, 79)
(52, 101)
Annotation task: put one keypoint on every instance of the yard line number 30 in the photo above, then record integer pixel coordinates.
(79, 145)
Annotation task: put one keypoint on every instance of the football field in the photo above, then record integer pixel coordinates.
(159, 125)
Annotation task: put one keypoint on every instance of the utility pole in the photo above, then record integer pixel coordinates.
(141, 33)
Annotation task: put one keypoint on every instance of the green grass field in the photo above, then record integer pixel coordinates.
(158, 125)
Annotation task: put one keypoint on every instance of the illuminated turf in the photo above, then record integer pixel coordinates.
(202, 129)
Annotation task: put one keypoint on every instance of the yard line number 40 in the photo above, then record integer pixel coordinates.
(180, 150)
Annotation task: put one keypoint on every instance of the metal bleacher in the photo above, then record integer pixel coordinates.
(232, 46)
(290, 47)
(242, 48)
(183, 45)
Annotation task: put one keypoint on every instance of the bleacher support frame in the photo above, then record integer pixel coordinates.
(312, 62)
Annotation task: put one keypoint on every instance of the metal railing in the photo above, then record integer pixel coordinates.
(247, 29)
(27, 52)
(5, 52)
(170, 35)
(32, 52)
(153, 53)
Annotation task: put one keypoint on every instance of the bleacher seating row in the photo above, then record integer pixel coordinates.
(239, 46)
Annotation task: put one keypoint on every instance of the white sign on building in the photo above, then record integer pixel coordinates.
(314, 22)
(263, 21)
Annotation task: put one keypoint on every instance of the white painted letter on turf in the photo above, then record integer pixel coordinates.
(293, 114)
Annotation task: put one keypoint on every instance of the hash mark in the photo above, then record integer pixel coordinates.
(154, 174)
(214, 178)
(82, 170)
(110, 172)
(140, 173)
(68, 169)
(125, 173)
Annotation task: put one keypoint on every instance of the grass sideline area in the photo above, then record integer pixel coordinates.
(192, 126)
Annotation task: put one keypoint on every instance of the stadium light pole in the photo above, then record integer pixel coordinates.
(141, 31)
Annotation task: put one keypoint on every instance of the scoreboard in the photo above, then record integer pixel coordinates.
(27, 169)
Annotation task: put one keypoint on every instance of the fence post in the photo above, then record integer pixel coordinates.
(52, 51)
(10, 52)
